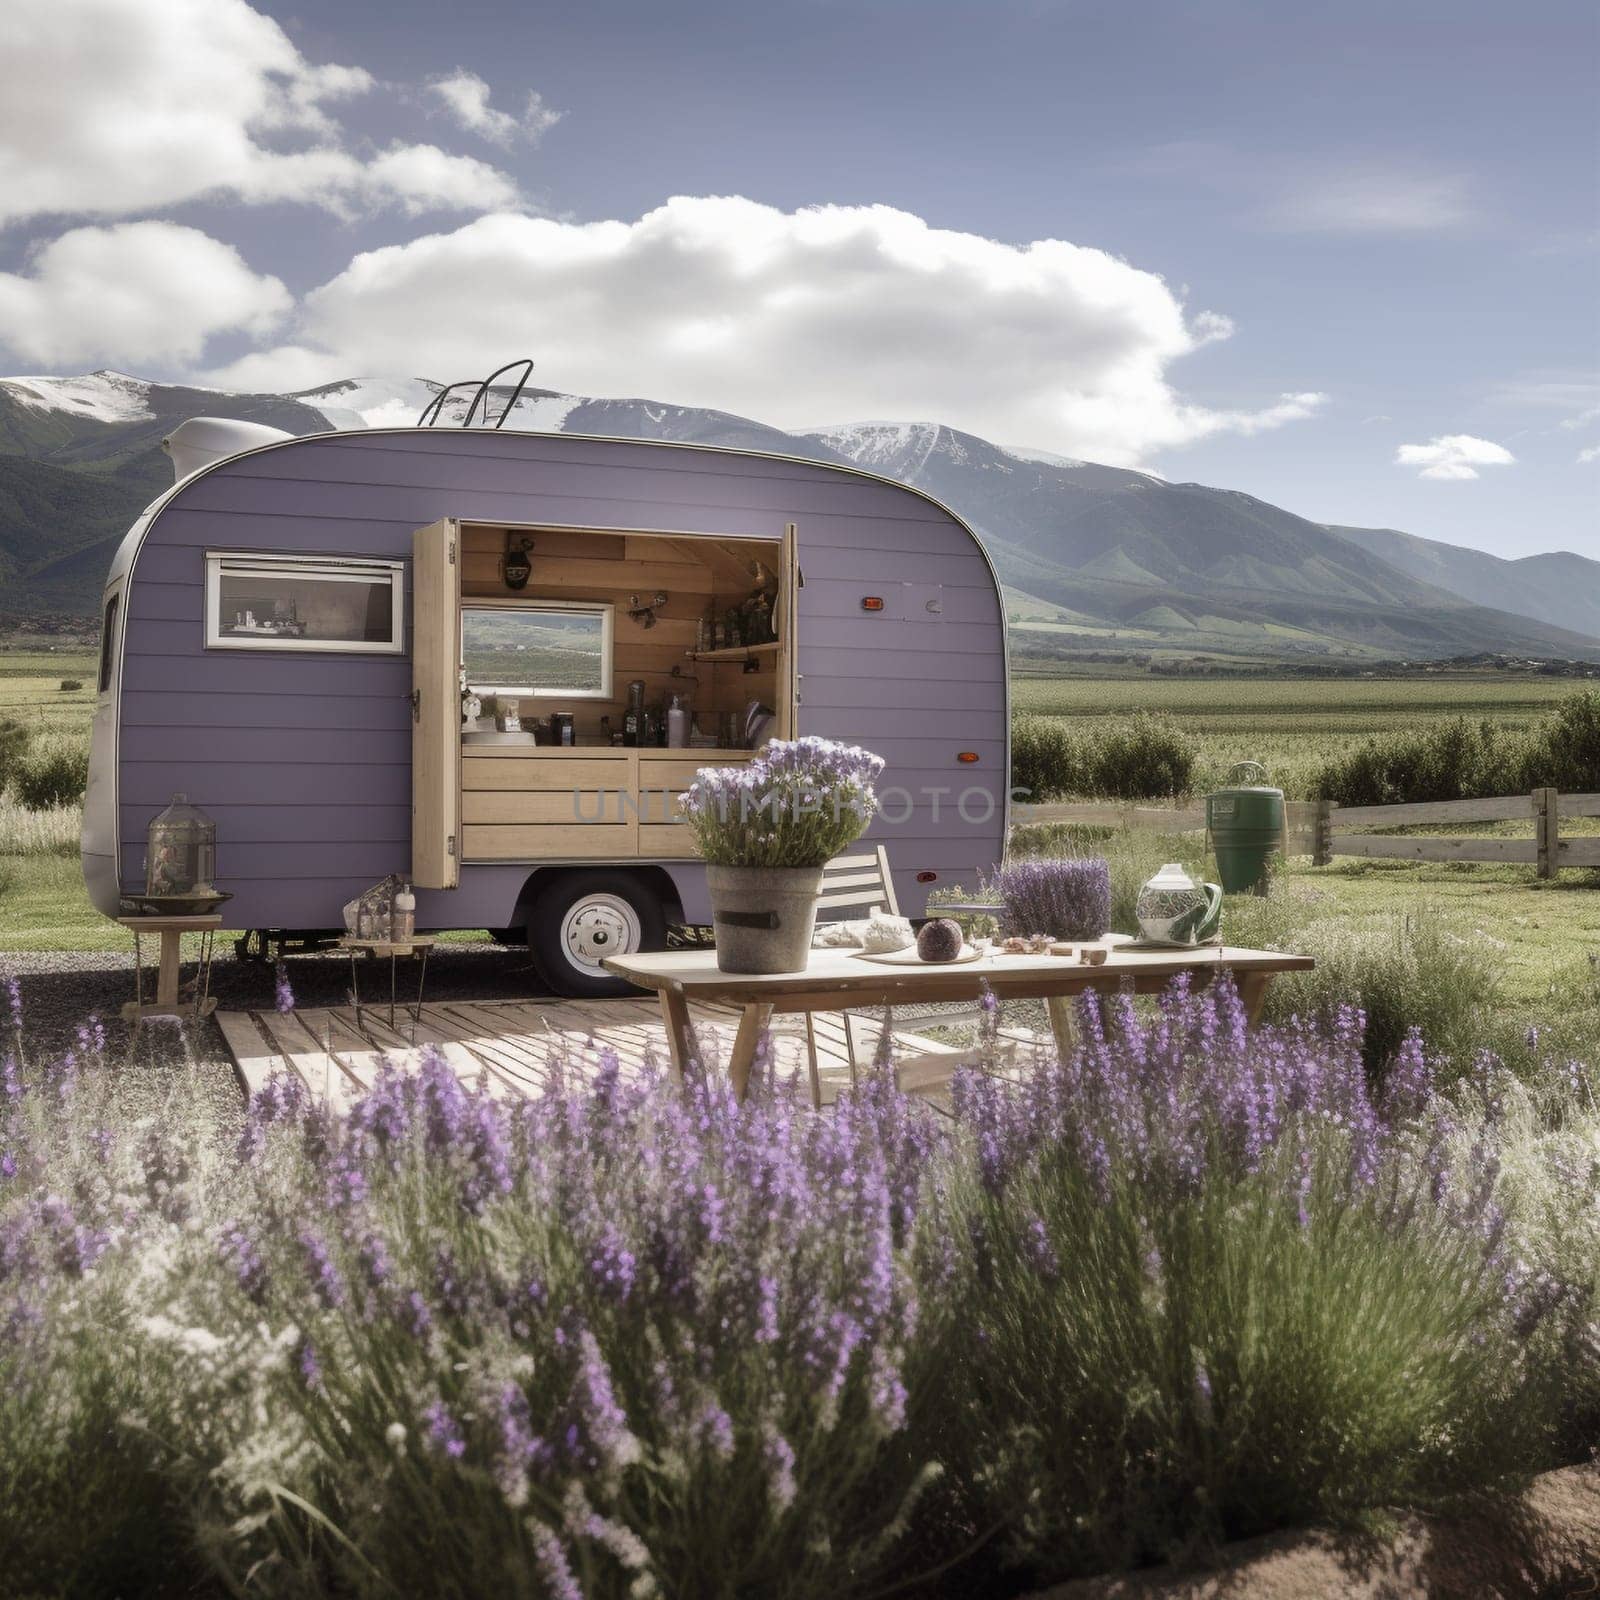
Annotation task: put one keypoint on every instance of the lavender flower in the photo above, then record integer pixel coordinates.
(238, 1250)
(327, 1282)
(309, 1365)
(443, 1433)
(797, 804)
(1068, 899)
(283, 996)
(777, 1456)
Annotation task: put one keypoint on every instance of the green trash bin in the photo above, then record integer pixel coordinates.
(1245, 822)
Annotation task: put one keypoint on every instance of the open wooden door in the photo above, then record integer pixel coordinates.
(788, 638)
(436, 706)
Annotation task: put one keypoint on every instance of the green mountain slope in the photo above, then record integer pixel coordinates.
(1555, 586)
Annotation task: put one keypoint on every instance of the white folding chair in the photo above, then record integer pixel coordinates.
(856, 886)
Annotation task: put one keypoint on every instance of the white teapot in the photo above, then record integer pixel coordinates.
(1173, 909)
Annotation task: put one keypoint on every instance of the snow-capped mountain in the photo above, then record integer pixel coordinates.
(1096, 556)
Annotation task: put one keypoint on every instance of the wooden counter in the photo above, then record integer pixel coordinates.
(578, 802)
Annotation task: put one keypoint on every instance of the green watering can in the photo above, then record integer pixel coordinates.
(1245, 822)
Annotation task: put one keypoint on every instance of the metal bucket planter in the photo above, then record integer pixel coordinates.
(763, 916)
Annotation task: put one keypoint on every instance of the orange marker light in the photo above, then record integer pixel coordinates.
(967, 757)
(872, 602)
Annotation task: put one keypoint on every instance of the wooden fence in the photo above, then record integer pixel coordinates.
(1309, 828)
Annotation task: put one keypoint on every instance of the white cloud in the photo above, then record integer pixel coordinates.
(114, 107)
(422, 177)
(1591, 454)
(466, 97)
(134, 292)
(1453, 456)
(831, 311)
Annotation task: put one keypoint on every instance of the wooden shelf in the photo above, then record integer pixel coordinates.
(737, 652)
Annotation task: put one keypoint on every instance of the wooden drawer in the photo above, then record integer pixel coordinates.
(578, 805)
(532, 773)
(669, 841)
(554, 841)
(677, 772)
(653, 804)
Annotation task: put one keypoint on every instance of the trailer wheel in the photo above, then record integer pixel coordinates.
(579, 918)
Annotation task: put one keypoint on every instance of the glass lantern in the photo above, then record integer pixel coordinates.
(182, 854)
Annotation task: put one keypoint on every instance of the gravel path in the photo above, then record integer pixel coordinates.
(62, 989)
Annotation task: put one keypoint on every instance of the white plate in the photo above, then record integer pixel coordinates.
(909, 957)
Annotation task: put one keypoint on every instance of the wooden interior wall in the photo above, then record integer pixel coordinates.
(611, 567)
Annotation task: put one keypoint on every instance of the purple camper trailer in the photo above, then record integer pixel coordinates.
(295, 631)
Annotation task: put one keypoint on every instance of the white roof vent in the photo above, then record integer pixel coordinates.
(201, 440)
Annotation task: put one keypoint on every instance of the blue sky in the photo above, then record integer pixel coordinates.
(1341, 257)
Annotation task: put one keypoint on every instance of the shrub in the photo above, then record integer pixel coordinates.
(14, 739)
(54, 777)
(1144, 757)
(631, 1336)
(1411, 971)
(1462, 760)
(1205, 1221)
(1069, 899)
(1046, 761)
(1565, 752)
(70, 684)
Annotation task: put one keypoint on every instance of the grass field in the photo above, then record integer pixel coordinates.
(1291, 724)
(31, 692)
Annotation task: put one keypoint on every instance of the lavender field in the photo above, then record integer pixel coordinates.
(635, 1339)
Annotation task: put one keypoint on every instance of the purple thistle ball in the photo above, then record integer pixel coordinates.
(1068, 898)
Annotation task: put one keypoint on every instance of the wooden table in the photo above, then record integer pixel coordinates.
(167, 1003)
(840, 980)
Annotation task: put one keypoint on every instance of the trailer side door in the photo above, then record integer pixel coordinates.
(436, 705)
(788, 641)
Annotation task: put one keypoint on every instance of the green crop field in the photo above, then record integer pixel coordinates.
(1292, 724)
(31, 692)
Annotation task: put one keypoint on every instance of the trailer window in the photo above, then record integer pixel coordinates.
(544, 647)
(266, 602)
(108, 642)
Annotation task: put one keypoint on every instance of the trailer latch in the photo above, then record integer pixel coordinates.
(416, 705)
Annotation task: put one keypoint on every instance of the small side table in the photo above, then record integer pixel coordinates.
(170, 1000)
(418, 945)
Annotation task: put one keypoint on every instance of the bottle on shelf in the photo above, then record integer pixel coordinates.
(633, 715)
(403, 916)
(677, 724)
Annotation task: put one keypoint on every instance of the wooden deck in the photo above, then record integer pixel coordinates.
(516, 1047)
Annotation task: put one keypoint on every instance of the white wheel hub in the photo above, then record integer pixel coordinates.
(597, 926)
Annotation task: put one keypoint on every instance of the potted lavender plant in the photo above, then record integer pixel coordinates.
(766, 831)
